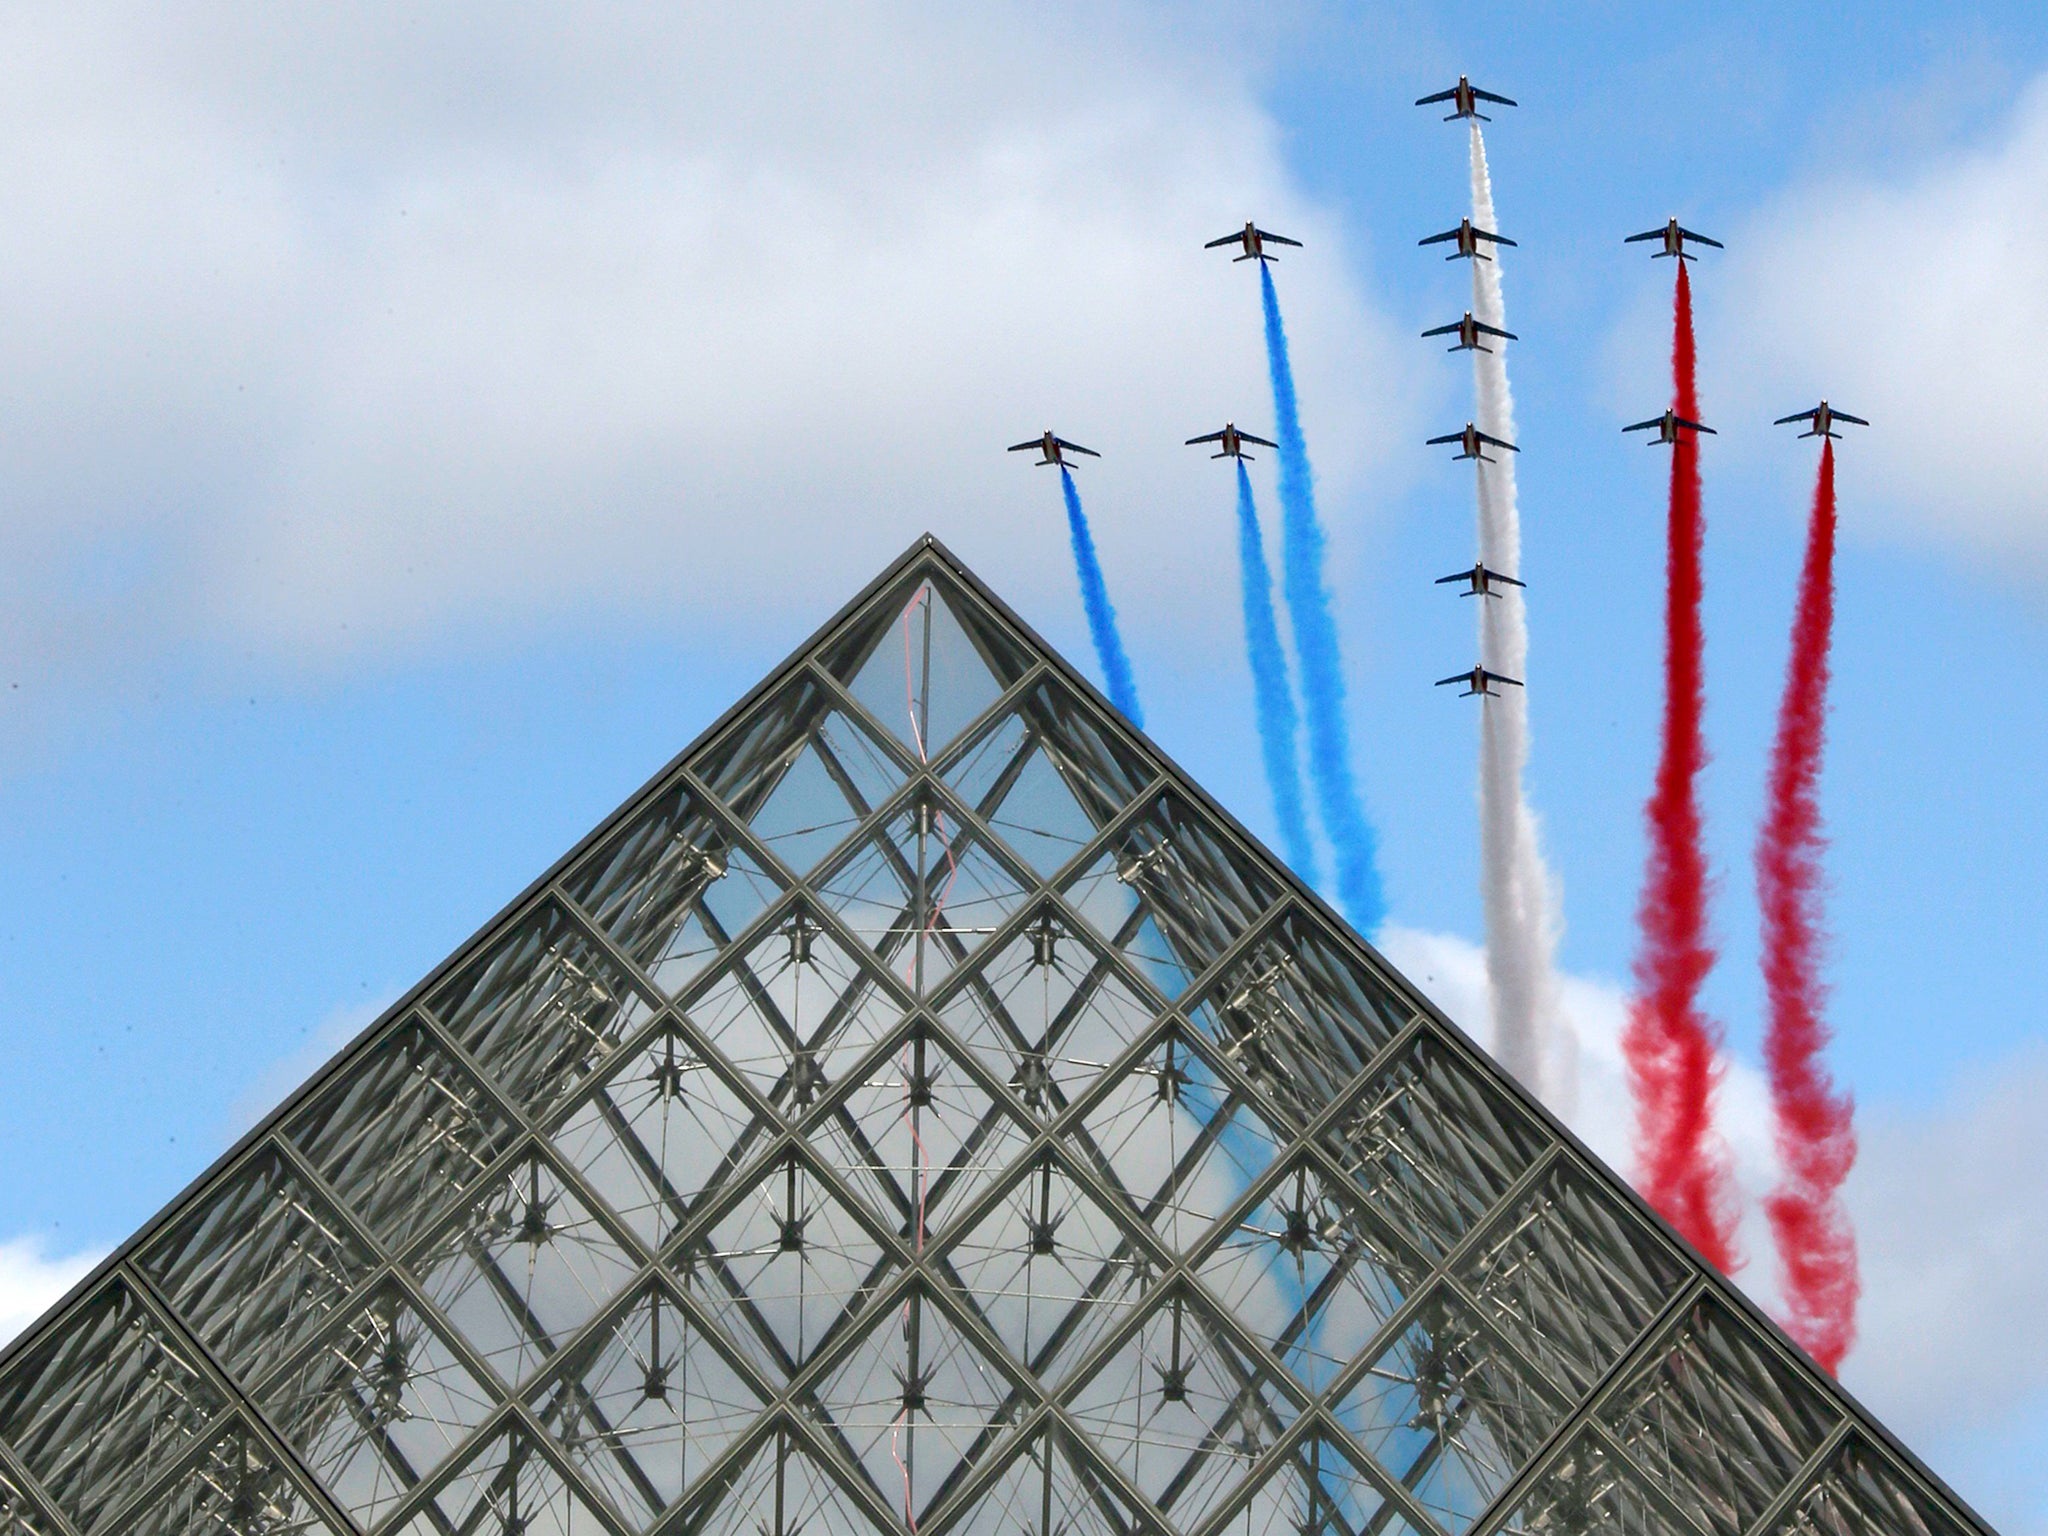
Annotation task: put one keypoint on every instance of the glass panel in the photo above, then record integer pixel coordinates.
(1589, 1488)
(1300, 1015)
(1182, 1410)
(783, 1268)
(1863, 1494)
(1572, 1276)
(1450, 1412)
(672, 888)
(19, 1514)
(800, 773)
(925, 661)
(1718, 1419)
(541, 1009)
(257, 1264)
(1171, 893)
(794, 1013)
(1049, 1270)
(238, 1489)
(1177, 1141)
(1433, 1145)
(1312, 1272)
(378, 1407)
(510, 1488)
(919, 1138)
(645, 1404)
(781, 1490)
(916, 1404)
(1045, 1491)
(1049, 729)
(102, 1404)
(1317, 1491)
(401, 1132)
(522, 1269)
(664, 1130)
(1046, 1012)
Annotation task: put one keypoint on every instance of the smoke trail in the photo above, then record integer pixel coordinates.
(1816, 1142)
(1109, 645)
(1278, 723)
(1315, 643)
(1670, 1044)
(1531, 1039)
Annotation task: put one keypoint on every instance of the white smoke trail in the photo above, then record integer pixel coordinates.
(1531, 1037)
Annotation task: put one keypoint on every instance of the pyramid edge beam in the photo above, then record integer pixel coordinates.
(928, 545)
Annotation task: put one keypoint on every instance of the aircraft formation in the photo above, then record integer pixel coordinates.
(1469, 334)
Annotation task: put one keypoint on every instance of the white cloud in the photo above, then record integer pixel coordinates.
(31, 1279)
(1951, 1228)
(1919, 301)
(385, 325)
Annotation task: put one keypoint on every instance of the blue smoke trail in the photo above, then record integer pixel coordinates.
(1315, 644)
(1109, 645)
(1278, 722)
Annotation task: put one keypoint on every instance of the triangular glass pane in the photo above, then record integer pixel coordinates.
(258, 1264)
(1300, 1014)
(659, 1134)
(800, 773)
(1862, 1493)
(400, 1132)
(1316, 1490)
(236, 1487)
(522, 1268)
(1176, 1140)
(1312, 1271)
(509, 1488)
(925, 661)
(1449, 1412)
(1590, 1488)
(1049, 1270)
(19, 1514)
(645, 1404)
(1046, 1012)
(1045, 1491)
(1183, 1410)
(1097, 767)
(671, 887)
(794, 1012)
(541, 1009)
(1572, 1276)
(102, 1404)
(377, 1407)
(1172, 893)
(917, 1403)
(784, 1269)
(781, 1490)
(918, 1137)
(1432, 1144)
(1718, 1419)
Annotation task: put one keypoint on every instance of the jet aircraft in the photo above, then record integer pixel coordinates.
(1667, 427)
(1254, 240)
(1468, 237)
(1823, 417)
(1233, 442)
(1053, 448)
(1469, 442)
(1476, 682)
(1482, 579)
(1464, 98)
(1468, 331)
(1674, 235)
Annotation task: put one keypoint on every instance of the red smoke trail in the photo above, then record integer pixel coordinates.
(1816, 1142)
(1670, 1045)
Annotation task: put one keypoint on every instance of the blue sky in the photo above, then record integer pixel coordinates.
(417, 430)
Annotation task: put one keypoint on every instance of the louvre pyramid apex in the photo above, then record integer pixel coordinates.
(922, 1109)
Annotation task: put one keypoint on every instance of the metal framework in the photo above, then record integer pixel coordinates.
(921, 1110)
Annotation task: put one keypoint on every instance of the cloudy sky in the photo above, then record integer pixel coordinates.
(416, 424)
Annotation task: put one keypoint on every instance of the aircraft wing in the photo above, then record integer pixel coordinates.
(1246, 437)
(1455, 437)
(1276, 239)
(1495, 677)
(1702, 239)
(1036, 442)
(1501, 101)
(1450, 95)
(1461, 677)
(1487, 234)
(1695, 426)
(1454, 576)
(1786, 421)
(1511, 448)
(1856, 421)
(1644, 426)
(1225, 240)
(1481, 325)
(1449, 234)
(1449, 330)
(1648, 234)
(1076, 448)
(1493, 575)
(1207, 437)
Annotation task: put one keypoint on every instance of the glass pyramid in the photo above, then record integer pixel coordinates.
(921, 1110)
